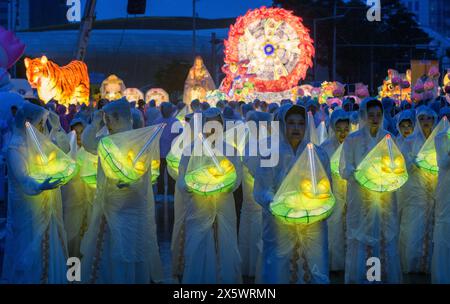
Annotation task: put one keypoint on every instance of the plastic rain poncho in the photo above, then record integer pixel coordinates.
(402, 116)
(173, 159)
(336, 222)
(35, 249)
(211, 253)
(78, 196)
(372, 218)
(418, 197)
(440, 265)
(250, 227)
(120, 245)
(292, 252)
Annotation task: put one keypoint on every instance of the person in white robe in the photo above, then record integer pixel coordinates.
(372, 217)
(291, 253)
(35, 250)
(120, 245)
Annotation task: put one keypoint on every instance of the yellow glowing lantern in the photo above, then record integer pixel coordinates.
(133, 94)
(383, 169)
(309, 200)
(112, 88)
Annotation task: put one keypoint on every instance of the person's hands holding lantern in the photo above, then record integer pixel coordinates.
(48, 185)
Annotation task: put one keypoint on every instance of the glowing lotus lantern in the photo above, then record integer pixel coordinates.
(158, 95)
(47, 160)
(305, 194)
(127, 156)
(383, 169)
(112, 88)
(88, 163)
(277, 50)
(210, 176)
(426, 159)
(133, 94)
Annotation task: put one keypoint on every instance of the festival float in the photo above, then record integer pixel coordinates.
(383, 169)
(305, 194)
(396, 86)
(158, 95)
(112, 88)
(268, 51)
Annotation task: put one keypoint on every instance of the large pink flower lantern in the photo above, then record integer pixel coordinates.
(11, 48)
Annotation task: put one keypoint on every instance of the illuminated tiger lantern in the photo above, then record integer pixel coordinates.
(68, 84)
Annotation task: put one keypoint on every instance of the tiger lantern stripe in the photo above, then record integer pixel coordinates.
(68, 84)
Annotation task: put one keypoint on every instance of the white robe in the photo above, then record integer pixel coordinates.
(336, 221)
(291, 253)
(440, 267)
(250, 227)
(35, 250)
(416, 202)
(77, 208)
(211, 253)
(121, 245)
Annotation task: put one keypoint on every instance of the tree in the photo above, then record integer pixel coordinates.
(172, 76)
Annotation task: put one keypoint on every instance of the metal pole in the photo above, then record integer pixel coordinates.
(315, 44)
(334, 42)
(85, 29)
(193, 28)
(213, 56)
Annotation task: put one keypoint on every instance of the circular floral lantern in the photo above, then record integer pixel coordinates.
(276, 47)
(133, 94)
(156, 94)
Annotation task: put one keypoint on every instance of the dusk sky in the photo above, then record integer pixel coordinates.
(107, 9)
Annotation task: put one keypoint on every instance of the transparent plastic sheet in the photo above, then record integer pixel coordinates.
(127, 156)
(210, 173)
(426, 158)
(322, 132)
(173, 158)
(383, 169)
(334, 161)
(88, 163)
(237, 137)
(305, 194)
(312, 130)
(46, 160)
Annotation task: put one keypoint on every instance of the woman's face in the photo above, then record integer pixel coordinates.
(342, 128)
(374, 117)
(426, 123)
(295, 128)
(406, 127)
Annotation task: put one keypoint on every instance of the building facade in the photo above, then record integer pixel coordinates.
(431, 13)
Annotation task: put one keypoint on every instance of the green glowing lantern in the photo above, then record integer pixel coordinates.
(335, 160)
(305, 195)
(383, 169)
(46, 160)
(127, 156)
(207, 175)
(87, 163)
(426, 159)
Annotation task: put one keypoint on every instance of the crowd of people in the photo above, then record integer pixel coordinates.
(230, 237)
